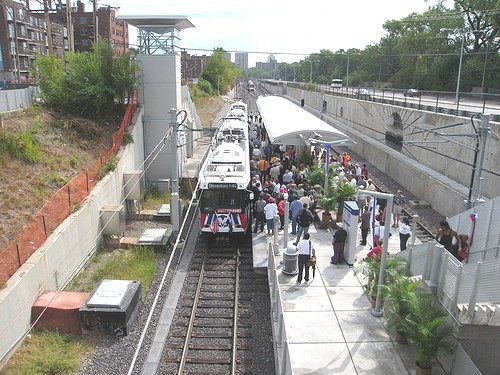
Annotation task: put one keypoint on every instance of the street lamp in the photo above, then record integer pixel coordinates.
(311, 76)
(461, 57)
(347, 73)
(218, 91)
(460, 67)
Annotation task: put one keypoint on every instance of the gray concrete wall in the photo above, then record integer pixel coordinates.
(160, 86)
(480, 342)
(11, 100)
(435, 174)
(66, 250)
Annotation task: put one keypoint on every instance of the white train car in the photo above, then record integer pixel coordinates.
(224, 200)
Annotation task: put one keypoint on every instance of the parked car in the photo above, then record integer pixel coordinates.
(363, 94)
(412, 93)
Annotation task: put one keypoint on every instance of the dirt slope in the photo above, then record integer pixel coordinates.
(69, 146)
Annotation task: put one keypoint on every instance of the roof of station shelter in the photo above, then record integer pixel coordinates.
(155, 21)
(289, 124)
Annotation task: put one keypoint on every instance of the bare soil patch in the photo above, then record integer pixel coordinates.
(70, 145)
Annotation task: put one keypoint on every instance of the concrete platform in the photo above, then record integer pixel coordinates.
(328, 321)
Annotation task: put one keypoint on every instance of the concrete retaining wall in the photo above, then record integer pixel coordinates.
(436, 173)
(11, 100)
(67, 250)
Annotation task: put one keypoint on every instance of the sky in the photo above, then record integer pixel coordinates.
(291, 29)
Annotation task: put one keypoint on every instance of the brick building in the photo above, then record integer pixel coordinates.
(23, 35)
(192, 66)
(108, 27)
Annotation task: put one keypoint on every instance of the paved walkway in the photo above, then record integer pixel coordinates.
(328, 321)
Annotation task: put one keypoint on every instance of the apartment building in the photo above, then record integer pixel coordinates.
(192, 66)
(23, 35)
(108, 27)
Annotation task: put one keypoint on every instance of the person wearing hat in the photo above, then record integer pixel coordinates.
(270, 210)
(338, 242)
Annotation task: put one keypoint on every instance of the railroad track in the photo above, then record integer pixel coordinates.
(212, 328)
(423, 233)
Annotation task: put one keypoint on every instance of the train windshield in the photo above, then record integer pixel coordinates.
(211, 200)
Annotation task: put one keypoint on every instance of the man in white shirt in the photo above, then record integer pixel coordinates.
(270, 210)
(256, 153)
(305, 199)
(305, 249)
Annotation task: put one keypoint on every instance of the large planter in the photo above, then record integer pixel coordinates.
(340, 218)
(373, 302)
(326, 217)
(400, 338)
(422, 370)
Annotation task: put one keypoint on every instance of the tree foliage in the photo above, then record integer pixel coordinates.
(219, 73)
(86, 84)
(419, 51)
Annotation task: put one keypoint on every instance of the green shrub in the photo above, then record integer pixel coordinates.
(26, 146)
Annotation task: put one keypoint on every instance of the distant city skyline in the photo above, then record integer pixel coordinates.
(288, 32)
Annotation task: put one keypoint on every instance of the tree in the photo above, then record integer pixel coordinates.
(219, 72)
(88, 83)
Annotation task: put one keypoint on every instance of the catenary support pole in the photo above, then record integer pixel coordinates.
(174, 202)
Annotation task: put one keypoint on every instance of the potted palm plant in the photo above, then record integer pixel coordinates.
(427, 328)
(370, 268)
(397, 296)
(328, 203)
(342, 193)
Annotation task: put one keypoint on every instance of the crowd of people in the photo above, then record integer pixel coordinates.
(277, 176)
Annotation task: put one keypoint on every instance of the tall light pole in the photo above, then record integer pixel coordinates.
(461, 57)
(347, 70)
(347, 75)
(311, 76)
(460, 67)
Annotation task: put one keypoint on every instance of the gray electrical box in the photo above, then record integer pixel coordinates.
(134, 185)
(164, 185)
(113, 220)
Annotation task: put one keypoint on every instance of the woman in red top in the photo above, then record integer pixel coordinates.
(281, 212)
(376, 252)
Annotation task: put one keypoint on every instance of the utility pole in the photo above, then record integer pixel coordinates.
(95, 20)
(71, 46)
(16, 61)
(174, 202)
(484, 130)
(49, 27)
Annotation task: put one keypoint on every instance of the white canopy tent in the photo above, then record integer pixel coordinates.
(290, 124)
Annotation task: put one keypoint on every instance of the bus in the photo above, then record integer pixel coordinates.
(336, 83)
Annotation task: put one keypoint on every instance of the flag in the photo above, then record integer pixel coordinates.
(373, 206)
(215, 225)
(473, 216)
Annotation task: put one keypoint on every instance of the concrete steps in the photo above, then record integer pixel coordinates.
(486, 315)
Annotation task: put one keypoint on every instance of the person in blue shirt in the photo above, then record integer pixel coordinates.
(295, 209)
